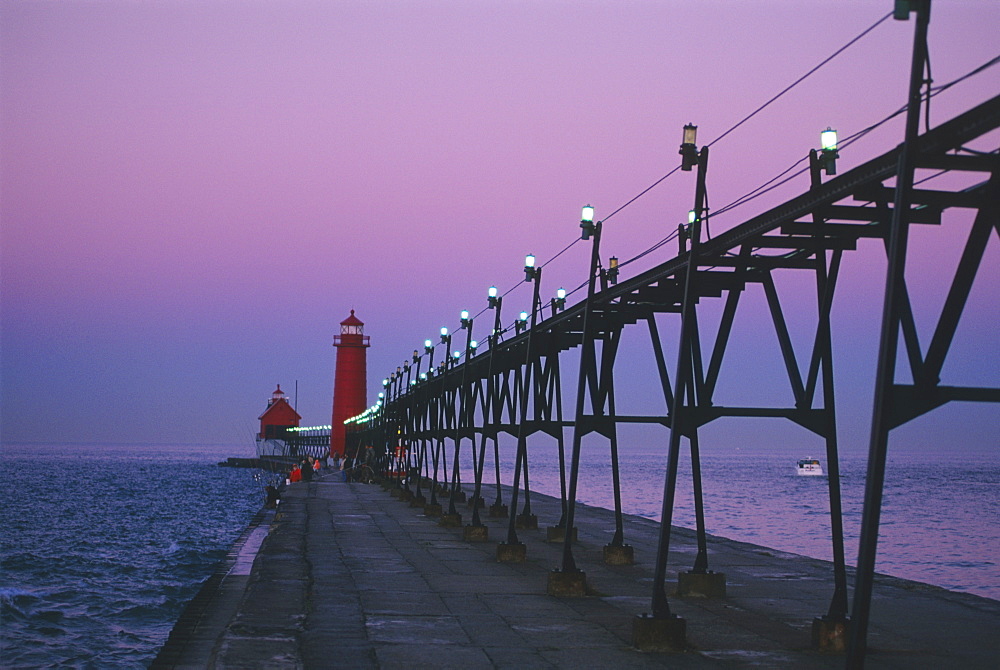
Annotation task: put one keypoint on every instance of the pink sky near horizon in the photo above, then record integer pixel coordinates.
(195, 194)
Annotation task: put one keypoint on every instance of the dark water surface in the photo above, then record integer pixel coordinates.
(104, 545)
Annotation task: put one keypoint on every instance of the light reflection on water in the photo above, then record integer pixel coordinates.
(940, 518)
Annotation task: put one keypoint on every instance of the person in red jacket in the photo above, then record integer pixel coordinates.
(295, 475)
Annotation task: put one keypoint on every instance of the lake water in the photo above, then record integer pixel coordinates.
(940, 520)
(104, 545)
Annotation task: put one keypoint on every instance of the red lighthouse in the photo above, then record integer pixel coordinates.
(350, 396)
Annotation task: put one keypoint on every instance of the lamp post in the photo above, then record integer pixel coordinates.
(587, 222)
(559, 302)
(530, 271)
(521, 323)
(464, 413)
(429, 349)
(494, 302)
(533, 274)
(828, 149)
(613, 270)
(445, 337)
(689, 150)
(824, 160)
(683, 390)
(587, 362)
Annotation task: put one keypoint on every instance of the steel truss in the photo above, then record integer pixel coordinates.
(513, 386)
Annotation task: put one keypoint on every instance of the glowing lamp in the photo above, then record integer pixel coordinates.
(493, 297)
(466, 321)
(530, 271)
(473, 345)
(828, 151)
(559, 302)
(521, 323)
(692, 216)
(689, 152)
(828, 140)
(587, 222)
(428, 346)
(445, 337)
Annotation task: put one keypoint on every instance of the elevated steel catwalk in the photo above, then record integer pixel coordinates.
(512, 385)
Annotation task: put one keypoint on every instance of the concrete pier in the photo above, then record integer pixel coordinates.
(349, 576)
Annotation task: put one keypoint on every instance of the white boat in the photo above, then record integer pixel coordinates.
(809, 466)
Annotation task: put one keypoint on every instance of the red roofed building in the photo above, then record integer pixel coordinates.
(278, 416)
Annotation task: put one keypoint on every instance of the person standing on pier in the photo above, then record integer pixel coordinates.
(307, 471)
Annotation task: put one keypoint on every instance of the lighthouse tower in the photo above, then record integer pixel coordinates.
(350, 381)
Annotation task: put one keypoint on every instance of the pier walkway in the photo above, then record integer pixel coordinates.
(347, 576)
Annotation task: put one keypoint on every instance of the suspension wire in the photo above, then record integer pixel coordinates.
(766, 187)
(985, 66)
(770, 185)
(565, 249)
(644, 192)
(854, 138)
(518, 284)
(741, 122)
(802, 78)
(650, 250)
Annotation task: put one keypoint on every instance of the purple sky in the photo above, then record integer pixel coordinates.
(195, 194)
